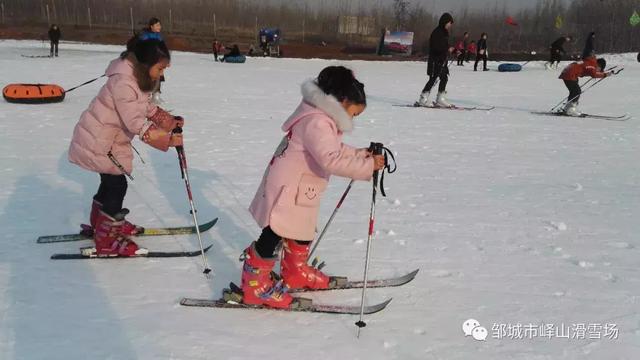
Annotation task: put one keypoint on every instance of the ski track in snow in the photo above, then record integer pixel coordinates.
(512, 217)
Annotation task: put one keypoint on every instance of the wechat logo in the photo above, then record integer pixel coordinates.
(471, 327)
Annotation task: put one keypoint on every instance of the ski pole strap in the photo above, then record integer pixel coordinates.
(118, 165)
(85, 83)
(390, 165)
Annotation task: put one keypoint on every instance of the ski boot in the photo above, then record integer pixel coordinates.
(110, 239)
(259, 286)
(127, 229)
(441, 101)
(295, 271)
(571, 109)
(423, 100)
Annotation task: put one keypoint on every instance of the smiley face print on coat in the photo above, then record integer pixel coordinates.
(311, 193)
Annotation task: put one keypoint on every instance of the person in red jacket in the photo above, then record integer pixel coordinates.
(570, 75)
(471, 49)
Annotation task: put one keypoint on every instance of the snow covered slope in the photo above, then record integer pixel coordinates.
(512, 218)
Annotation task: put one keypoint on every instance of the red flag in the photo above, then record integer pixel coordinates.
(510, 21)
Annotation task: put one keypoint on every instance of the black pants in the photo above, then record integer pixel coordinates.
(444, 78)
(482, 57)
(574, 90)
(111, 193)
(461, 58)
(215, 55)
(54, 46)
(555, 57)
(269, 241)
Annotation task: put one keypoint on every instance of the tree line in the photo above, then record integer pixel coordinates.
(318, 21)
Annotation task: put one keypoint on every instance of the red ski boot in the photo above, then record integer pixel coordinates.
(127, 229)
(294, 269)
(110, 240)
(258, 286)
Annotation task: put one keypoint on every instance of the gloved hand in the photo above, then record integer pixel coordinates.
(175, 140)
(179, 121)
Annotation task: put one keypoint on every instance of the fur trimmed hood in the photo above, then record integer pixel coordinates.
(314, 96)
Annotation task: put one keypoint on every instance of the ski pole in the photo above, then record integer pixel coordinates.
(326, 226)
(182, 159)
(377, 150)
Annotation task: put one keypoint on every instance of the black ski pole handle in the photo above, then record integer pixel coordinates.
(376, 149)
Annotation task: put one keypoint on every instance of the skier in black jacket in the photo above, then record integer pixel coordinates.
(589, 49)
(557, 51)
(54, 37)
(482, 53)
(437, 67)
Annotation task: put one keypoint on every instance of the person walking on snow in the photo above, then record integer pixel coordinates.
(461, 48)
(557, 51)
(437, 67)
(217, 49)
(153, 32)
(570, 75)
(101, 140)
(287, 202)
(589, 46)
(471, 49)
(54, 38)
(482, 53)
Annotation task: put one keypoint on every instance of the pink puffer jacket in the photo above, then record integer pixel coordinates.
(288, 198)
(114, 117)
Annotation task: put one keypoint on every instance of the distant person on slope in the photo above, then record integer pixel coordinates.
(54, 38)
(589, 46)
(287, 202)
(437, 67)
(234, 52)
(101, 140)
(153, 32)
(556, 52)
(461, 48)
(482, 54)
(570, 75)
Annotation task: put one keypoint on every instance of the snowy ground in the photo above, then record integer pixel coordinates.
(512, 218)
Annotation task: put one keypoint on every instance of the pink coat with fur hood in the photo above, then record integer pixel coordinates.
(288, 198)
(114, 117)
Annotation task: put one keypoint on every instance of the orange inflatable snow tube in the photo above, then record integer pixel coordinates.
(33, 93)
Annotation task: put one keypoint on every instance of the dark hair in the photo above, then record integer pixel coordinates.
(340, 82)
(148, 52)
(153, 21)
(602, 63)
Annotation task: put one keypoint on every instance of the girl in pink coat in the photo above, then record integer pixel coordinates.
(101, 140)
(287, 201)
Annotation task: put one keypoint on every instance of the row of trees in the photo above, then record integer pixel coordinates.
(318, 20)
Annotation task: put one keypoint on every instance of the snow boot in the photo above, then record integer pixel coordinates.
(423, 100)
(441, 101)
(110, 240)
(258, 284)
(127, 229)
(295, 271)
(571, 109)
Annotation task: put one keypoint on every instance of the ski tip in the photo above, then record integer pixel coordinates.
(378, 307)
(413, 273)
(207, 248)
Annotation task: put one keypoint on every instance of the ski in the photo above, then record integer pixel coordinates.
(624, 117)
(36, 56)
(151, 254)
(299, 305)
(183, 230)
(454, 107)
(342, 283)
